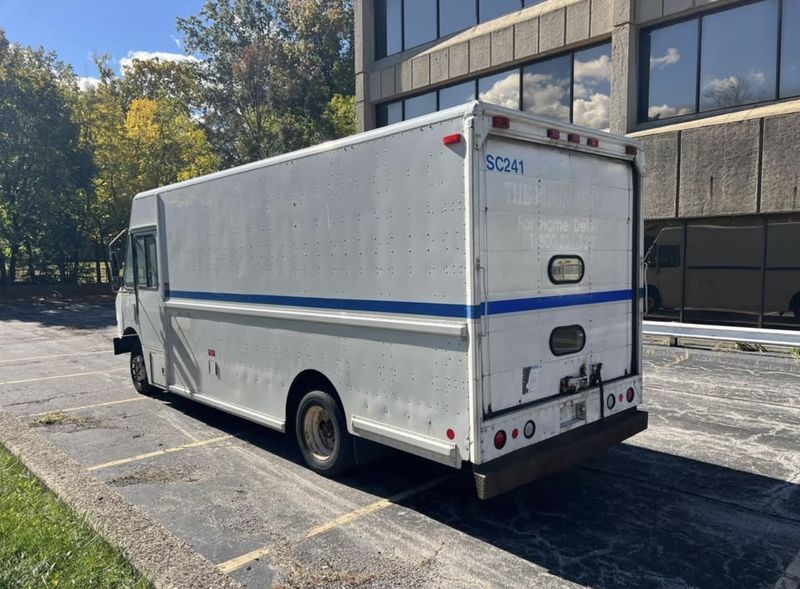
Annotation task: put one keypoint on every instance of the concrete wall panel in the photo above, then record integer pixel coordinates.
(459, 60)
(503, 46)
(421, 71)
(387, 82)
(780, 174)
(551, 30)
(402, 77)
(440, 66)
(646, 10)
(479, 53)
(719, 169)
(374, 86)
(600, 18)
(526, 38)
(577, 27)
(675, 6)
(661, 177)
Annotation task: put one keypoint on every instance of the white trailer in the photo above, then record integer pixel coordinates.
(465, 286)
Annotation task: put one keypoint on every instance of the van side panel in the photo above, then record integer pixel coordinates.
(349, 262)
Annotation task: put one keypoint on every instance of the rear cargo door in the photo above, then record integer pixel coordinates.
(557, 288)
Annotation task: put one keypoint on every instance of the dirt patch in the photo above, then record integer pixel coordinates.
(156, 474)
(65, 421)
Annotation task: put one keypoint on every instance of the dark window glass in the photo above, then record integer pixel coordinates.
(490, 9)
(455, 95)
(127, 273)
(672, 70)
(591, 90)
(388, 27)
(723, 271)
(419, 20)
(790, 49)
(663, 246)
(456, 15)
(546, 87)
(738, 56)
(420, 105)
(140, 262)
(501, 89)
(152, 261)
(388, 113)
(568, 339)
(533, 2)
(782, 278)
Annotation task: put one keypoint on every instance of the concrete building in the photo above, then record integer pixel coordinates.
(712, 88)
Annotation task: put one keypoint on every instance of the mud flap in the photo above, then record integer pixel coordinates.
(528, 464)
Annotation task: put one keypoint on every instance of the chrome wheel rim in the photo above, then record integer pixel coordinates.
(319, 433)
(138, 372)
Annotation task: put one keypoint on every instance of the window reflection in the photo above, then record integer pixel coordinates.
(671, 69)
(388, 113)
(420, 105)
(456, 15)
(663, 246)
(388, 27)
(790, 49)
(533, 2)
(591, 91)
(419, 22)
(738, 56)
(501, 89)
(455, 95)
(490, 9)
(546, 87)
(782, 277)
(723, 271)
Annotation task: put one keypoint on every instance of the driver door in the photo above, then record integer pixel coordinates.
(148, 309)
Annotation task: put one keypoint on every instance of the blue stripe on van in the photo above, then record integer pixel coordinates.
(412, 308)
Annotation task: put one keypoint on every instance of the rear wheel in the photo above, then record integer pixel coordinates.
(139, 373)
(326, 445)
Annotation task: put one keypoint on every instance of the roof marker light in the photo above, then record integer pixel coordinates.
(592, 142)
(452, 139)
(631, 150)
(574, 138)
(553, 134)
(501, 122)
(451, 435)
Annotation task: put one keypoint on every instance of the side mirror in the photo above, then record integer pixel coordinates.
(115, 264)
(116, 283)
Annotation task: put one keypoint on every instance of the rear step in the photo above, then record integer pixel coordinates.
(537, 461)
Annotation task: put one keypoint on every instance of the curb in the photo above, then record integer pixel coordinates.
(151, 549)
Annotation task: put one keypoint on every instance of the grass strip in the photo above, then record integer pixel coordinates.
(44, 544)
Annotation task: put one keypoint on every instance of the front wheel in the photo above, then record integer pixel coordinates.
(139, 374)
(326, 445)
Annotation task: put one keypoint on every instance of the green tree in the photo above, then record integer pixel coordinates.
(270, 68)
(44, 172)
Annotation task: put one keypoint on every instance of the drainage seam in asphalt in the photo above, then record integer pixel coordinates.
(165, 560)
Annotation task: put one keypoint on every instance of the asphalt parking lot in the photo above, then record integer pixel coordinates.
(709, 496)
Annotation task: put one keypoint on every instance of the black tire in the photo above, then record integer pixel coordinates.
(794, 306)
(139, 373)
(326, 445)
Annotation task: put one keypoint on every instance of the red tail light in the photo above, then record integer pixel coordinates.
(501, 122)
(500, 439)
(630, 394)
(514, 433)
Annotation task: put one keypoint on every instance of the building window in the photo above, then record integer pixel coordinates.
(718, 271)
(456, 15)
(403, 24)
(574, 87)
(501, 89)
(720, 60)
(420, 105)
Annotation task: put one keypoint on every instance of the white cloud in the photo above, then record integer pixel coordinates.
(544, 95)
(594, 112)
(722, 84)
(671, 57)
(504, 92)
(664, 111)
(126, 62)
(595, 69)
(87, 82)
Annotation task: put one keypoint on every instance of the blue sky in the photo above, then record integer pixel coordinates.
(76, 28)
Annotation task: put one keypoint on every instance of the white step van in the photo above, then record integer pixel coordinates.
(464, 286)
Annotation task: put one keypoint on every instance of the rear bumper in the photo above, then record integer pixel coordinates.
(528, 464)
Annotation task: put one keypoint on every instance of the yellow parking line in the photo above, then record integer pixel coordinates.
(62, 376)
(139, 457)
(130, 400)
(50, 356)
(235, 564)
